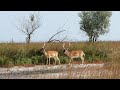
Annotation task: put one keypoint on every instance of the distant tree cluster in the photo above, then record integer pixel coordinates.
(94, 23)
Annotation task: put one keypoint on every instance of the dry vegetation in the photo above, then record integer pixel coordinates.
(13, 54)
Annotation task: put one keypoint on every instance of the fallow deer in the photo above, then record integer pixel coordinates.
(74, 54)
(50, 54)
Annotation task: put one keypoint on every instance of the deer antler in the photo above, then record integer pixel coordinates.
(44, 45)
(68, 45)
(64, 45)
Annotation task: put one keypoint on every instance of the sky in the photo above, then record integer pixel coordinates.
(50, 23)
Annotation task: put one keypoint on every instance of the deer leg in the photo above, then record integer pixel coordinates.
(70, 60)
(58, 59)
(82, 58)
(55, 60)
(49, 61)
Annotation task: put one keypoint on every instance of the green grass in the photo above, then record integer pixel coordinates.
(23, 54)
(13, 54)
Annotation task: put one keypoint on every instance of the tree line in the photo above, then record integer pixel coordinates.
(93, 23)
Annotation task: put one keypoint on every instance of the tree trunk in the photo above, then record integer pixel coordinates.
(94, 38)
(28, 38)
(90, 39)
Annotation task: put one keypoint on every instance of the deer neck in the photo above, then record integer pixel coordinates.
(45, 52)
(68, 53)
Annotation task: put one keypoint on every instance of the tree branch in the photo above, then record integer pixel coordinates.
(21, 30)
(55, 35)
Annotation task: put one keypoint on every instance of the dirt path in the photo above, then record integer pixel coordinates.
(52, 72)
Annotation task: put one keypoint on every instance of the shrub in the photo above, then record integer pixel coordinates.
(6, 62)
(37, 59)
(23, 61)
(64, 59)
(21, 53)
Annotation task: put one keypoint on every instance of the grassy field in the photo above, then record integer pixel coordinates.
(16, 54)
(24, 54)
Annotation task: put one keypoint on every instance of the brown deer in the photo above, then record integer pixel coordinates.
(50, 54)
(74, 54)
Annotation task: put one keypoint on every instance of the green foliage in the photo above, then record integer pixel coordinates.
(38, 59)
(96, 52)
(23, 61)
(95, 23)
(5, 61)
(64, 59)
(22, 54)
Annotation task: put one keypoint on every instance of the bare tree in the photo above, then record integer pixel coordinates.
(29, 25)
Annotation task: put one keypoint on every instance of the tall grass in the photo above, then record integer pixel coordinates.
(12, 54)
(25, 54)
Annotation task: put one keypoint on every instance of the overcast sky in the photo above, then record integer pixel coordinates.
(50, 22)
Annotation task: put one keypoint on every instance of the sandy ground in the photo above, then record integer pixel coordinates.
(74, 71)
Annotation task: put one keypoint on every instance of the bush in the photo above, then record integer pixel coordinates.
(20, 53)
(23, 61)
(95, 54)
(37, 59)
(6, 62)
(64, 59)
